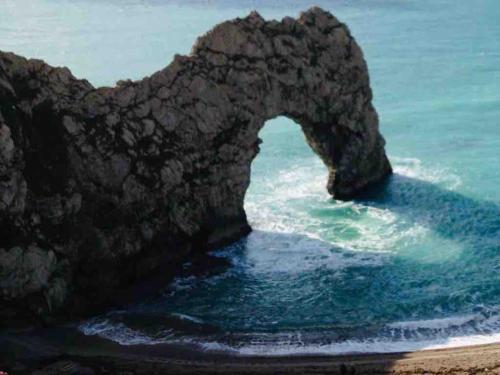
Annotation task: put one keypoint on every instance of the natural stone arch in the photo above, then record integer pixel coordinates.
(114, 184)
(311, 71)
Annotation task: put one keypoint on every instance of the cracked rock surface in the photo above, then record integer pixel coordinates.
(101, 188)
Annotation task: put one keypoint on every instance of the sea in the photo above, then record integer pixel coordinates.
(415, 264)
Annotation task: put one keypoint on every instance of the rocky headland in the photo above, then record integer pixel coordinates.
(103, 188)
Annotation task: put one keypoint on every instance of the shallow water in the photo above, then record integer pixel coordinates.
(414, 265)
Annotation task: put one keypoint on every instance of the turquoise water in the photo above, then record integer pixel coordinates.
(414, 265)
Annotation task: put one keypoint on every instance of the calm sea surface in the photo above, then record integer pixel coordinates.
(415, 265)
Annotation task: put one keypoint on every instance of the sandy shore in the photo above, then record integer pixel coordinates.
(66, 351)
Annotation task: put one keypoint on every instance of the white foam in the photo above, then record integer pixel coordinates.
(187, 317)
(440, 323)
(290, 200)
(121, 333)
(265, 251)
(414, 168)
(126, 336)
(471, 329)
(449, 332)
(372, 346)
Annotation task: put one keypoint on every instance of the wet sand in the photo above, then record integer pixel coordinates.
(64, 350)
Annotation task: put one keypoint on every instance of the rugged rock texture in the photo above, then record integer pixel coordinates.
(100, 188)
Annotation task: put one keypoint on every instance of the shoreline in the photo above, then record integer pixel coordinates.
(56, 349)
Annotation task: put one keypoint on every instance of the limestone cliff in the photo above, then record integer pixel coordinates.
(101, 188)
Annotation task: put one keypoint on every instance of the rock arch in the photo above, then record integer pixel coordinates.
(102, 187)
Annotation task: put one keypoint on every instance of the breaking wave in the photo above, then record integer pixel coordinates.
(481, 327)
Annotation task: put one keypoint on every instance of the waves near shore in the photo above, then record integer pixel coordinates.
(278, 296)
(482, 327)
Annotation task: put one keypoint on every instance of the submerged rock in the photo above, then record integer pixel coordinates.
(102, 188)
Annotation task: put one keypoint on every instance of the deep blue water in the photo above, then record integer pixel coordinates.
(414, 265)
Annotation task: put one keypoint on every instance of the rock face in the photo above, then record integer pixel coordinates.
(101, 188)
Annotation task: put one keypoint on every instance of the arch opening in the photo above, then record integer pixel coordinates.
(286, 178)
